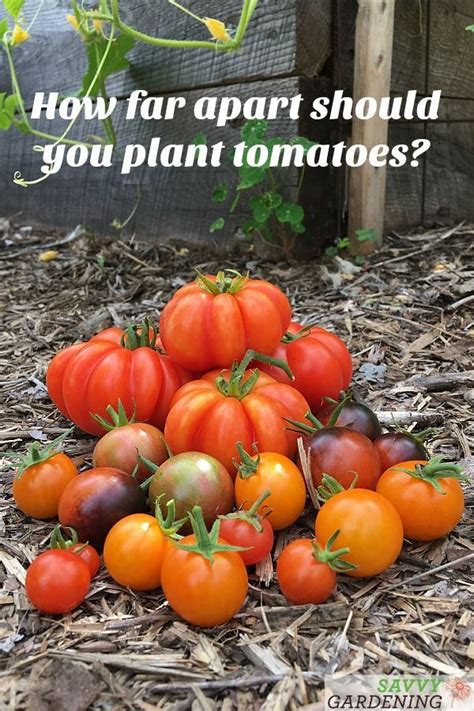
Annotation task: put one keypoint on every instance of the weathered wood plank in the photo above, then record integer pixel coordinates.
(286, 37)
(175, 202)
(372, 73)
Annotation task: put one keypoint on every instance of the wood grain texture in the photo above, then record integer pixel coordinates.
(372, 73)
(175, 203)
(53, 60)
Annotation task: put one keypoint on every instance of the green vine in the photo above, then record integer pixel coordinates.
(107, 40)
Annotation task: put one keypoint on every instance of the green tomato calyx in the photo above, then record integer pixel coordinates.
(248, 465)
(236, 384)
(330, 487)
(207, 542)
(228, 281)
(37, 453)
(434, 470)
(143, 335)
(169, 525)
(316, 425)
(119, 417)
(332, 558)
(251, 515)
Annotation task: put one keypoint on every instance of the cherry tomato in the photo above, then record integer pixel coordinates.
(282, 477)
(88, 554)
(343, 453)
(396, 447)
(430, 506)
(193, 479)
(57, 582)
(95, 500)
(203, 593)
(304, 579)
(354, 416)
(319, 360)
(88, 377)
(213, 322)
(121, 446)
(134, 550)
(224, 407)
(39, 487)
(253, 532)
(368, 525)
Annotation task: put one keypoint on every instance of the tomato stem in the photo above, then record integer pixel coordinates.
(434, 470)
(207, 542)
(118, 417)
(304, 429)
(142, 335)
(57, 539)
(332, 558)
(223, 284)
(235, 385)
(36, 453)
(330, 486)
(250, 515)
(248, 465)
(169, 525)
(346, 399)
(290, 337)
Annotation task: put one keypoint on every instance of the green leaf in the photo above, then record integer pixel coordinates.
(254, 131)
(249, 227)
(298, 229)
(220, 192)
(217, 225)
(3, 27)
(7, 111)
(14, 7)
(249, 177)
(22, 126)
(116, 61)
(260, 209)
(302, 141)
(331, 251)
(290, 212)
(359, 259)
(343, 243)
(470, 28)
(366, 235)
(273, 199)
(199, 140)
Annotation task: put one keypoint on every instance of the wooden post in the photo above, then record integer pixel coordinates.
(372, 74)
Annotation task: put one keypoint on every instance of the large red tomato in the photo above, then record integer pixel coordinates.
(214, 321)
(318, 359)
(86, 378)
(212, 414)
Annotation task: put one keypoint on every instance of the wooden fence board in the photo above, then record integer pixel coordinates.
(270, 48)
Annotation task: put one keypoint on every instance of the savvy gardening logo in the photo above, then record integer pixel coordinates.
(413, 693)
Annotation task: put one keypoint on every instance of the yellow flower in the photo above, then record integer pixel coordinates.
(217, 29)
(97, 25)
(48, 256)
(19, 35)
(73, 21)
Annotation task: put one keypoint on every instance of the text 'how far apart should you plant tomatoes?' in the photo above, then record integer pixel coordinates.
(212, 414)
(213, 321)
(115, 366)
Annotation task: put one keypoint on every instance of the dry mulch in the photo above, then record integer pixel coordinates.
(407, 316)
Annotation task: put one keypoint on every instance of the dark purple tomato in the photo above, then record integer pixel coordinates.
(342, 453)
(95, 500)
(354, 416)
(396, 447)
(193, 479)
(120, 448)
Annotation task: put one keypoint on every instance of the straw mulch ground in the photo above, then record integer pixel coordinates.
(408, 318)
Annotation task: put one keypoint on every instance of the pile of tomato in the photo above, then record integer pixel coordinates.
(197, 462)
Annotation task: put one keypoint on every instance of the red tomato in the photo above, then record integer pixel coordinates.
(134, 550)
(121, 447)
(214, 321)
(88, 554)
(396, 447)
(368, 525)
(202, 592)
(320, 362)
(38, 488)
(95, 500)
(279, 475)
(304, 579)
(210, 415)
(343, 453)
(430, 504)
(249, 531)
(86, 378)
(57, 582)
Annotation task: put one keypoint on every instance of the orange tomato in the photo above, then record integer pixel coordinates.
(368, 525)
(39, 487)
(285, 482)
(202, 592)
(134, 551)
(426, 513)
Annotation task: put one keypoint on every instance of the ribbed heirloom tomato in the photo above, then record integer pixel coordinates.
(427, 496)
(41, 476)
(224, 407)
(84, 379)
(319, 360)
(213, 322)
